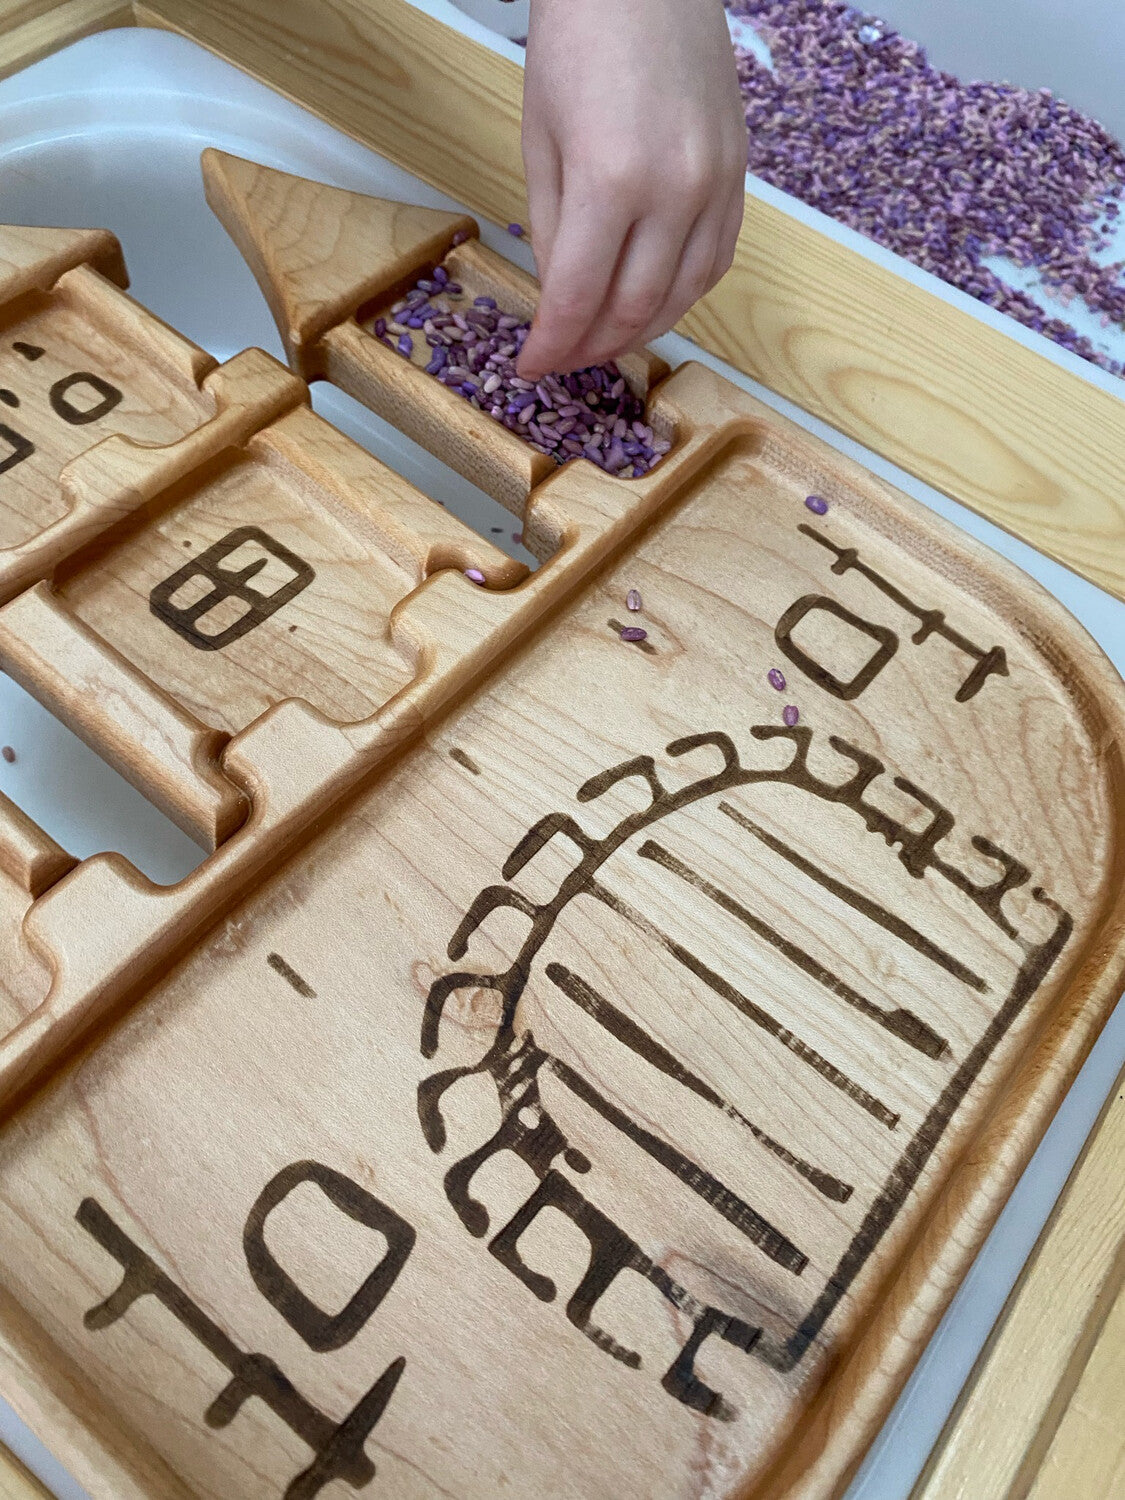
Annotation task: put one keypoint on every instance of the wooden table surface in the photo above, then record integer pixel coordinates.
(16, 1482)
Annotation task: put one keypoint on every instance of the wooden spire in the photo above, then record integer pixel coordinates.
(320, 252)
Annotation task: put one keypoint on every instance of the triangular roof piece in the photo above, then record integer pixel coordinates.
(319, 252)
(34, 258)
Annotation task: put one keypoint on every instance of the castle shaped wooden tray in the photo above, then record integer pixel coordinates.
(563, 1077)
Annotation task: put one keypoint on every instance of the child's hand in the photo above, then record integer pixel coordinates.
(634, 144)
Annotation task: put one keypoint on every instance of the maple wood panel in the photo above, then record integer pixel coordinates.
(30, 863)
(327, 302)
(566, 1035)
(564, 1028)
(80, 361)
(15, 1481)
(724, 1098)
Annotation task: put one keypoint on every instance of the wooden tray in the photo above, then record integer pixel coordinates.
(563, 1078)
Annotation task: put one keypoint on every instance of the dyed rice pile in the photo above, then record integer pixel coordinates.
(855, 122)
(591, 414)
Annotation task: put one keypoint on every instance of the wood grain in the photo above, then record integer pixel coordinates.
(667, 1063)
(450, 630)
(80, 362)
(16, 1482)
(30, 863)
(163, 638)
(24, 975)
(333, 264)
(833, 980)
(1041, 1416)
(31, 29)
(995, 425)
(33, 258)
(316, 514)
(150, 408)
(27, 855)
(167, 752)
(680, 1059)
(318, 252)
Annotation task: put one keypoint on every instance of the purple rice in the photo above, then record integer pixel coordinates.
(589, 413)
(855, 121)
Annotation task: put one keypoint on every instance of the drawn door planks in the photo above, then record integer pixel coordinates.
(569, 1079)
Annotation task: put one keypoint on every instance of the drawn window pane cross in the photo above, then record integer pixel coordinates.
(886, 645)
(211, 618)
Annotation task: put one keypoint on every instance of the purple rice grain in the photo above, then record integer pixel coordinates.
(634, 633)
(776, 679)
(855, 121)
(633, 600)
(474, 575)
(817, 505)
(588, 413)
(790, 715)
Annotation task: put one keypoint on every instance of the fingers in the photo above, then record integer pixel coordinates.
(706, 259)
(582, 263)
(691, 280)
(635, 148)
(543, 173)
(728, 236)
(613, 277)
(617, 253)
(639, 290)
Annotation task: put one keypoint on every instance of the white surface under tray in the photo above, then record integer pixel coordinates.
(108, 134)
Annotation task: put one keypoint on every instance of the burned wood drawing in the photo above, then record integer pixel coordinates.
(692, 1128)
(229, 585)
(991, 662)
(338, 1446)
(517, 1063)
(78, 399)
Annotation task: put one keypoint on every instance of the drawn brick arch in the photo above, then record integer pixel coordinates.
(517, 1062)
